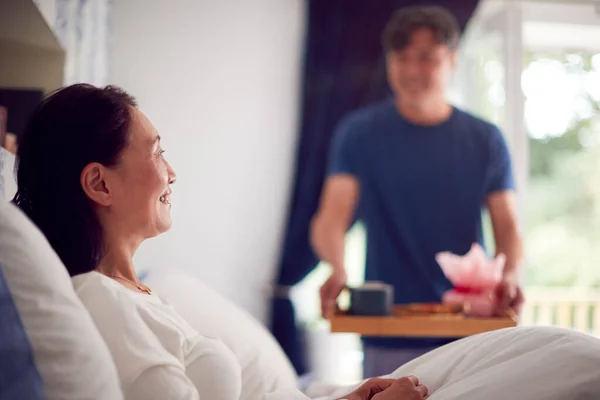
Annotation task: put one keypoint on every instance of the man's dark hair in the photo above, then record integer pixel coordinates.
(399, 29)
(75, 126)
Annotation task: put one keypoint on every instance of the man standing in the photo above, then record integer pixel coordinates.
(417, 172)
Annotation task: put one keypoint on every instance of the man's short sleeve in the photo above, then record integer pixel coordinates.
(342, 156)
(499, 171)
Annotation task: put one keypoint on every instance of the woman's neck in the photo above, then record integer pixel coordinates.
(118, 259)
(118, 264)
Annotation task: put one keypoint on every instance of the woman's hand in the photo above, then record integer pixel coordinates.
(369, 389)
(407, 388)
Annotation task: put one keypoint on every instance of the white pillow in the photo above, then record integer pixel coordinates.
(265, 367)
(70, 355)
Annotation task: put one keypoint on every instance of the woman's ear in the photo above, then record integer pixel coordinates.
(94, 184)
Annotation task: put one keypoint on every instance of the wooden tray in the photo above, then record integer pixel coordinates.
(408, 321)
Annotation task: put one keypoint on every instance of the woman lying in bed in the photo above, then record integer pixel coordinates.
(93, 177)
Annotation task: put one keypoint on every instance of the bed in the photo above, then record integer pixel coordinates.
(74, 362)
(516, 363)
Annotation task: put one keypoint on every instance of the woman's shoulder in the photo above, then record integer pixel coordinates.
(99, 292)
(93, 284)
(115, 313)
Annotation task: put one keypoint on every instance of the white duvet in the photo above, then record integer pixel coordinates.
(518, 363)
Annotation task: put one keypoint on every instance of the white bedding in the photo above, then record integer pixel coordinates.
(517, 364)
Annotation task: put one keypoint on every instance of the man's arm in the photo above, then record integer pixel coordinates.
(336, 211)
(328, 232)
(503, 211)
(332, 221)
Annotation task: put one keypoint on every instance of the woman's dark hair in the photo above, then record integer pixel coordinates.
(399, 29)
(71, 128)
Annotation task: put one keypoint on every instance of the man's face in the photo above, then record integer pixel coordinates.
(420, 72)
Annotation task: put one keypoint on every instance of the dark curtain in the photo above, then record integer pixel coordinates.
(344, 69)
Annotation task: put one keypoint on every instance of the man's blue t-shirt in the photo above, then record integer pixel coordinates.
(422, 191)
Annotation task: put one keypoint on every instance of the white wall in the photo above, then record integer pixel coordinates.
(220, 80)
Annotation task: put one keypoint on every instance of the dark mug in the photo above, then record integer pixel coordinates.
(371, 299)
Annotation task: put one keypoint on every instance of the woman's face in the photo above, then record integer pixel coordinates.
(139, 185)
